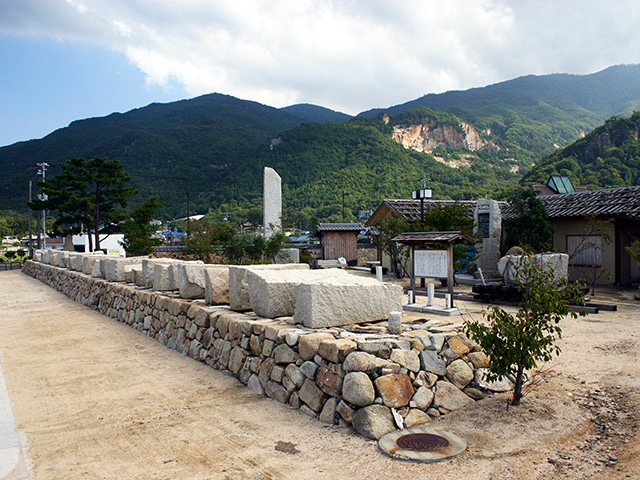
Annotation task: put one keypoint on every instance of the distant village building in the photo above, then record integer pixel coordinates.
(572, 215)
(339, 240)
(485, 213)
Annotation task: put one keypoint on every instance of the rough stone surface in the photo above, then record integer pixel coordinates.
(308, 344)
(422, 398)
(449, 396)
(406, 358)
(430, 361)
(216, 284)
(345, 411)
(425, 379)
(271, 292)
(312, 395)
(272, 202)
(416, 417)
(329, 382)
(309, 369)
(358, 389)
(163, 278)
(354, 300)
(459, 373)
(373, 421)
(239, 299)
(328, 413)
(190, 280)
(285, 354)
(365, 362)
(478, 359)
(395, 389)
(113, 268)
(336, 350)
(558, 263)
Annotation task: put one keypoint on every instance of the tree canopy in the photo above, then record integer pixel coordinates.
(87, 195)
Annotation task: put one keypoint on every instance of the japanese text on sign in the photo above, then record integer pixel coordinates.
(430, 263)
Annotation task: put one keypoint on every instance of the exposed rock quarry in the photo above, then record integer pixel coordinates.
(428, 135)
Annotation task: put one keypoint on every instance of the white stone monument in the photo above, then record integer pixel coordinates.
(272, 208)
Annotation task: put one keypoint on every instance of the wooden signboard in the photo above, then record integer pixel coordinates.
(431, 263)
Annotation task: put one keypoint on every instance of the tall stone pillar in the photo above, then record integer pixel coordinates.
(488, 220)
(272, 207)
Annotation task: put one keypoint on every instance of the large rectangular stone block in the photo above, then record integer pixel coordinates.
(358, 300)
(239, 294)
(190, 280)
(88, 261)
(113, 267)
(75, 262)
(558, 263)
(163, 277)
(216, 284)
(272, 292)
(148, 265)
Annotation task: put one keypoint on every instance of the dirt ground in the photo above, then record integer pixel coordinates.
(95, 399)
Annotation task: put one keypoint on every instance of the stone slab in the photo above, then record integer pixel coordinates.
(239, 299)
(272, 292)
(216, 284)
(113, 267)
(355, 300)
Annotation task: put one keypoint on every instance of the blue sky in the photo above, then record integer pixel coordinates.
(64, 60)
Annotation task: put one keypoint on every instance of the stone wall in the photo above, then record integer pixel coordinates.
(362, 376)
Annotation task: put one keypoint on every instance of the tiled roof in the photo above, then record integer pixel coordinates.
(410, 209)
(436, 237)
(338, 227)
(611, 202)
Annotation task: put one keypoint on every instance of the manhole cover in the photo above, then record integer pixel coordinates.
(422, 444)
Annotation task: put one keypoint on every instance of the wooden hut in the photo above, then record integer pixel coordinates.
(339, 240)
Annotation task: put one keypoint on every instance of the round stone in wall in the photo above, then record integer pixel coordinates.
(422, 444)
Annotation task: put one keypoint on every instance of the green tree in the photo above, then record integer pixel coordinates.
(205, 235)
(515, 343)
(273, 245)
(387, 229)
(138, 230)
(634, 250)
(87, 195)
(531, 228)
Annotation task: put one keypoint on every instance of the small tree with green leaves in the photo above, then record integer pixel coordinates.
(531, 228)
(387, 229)
(138, 230)
(634, 250)
(516, 343)
(205, 235)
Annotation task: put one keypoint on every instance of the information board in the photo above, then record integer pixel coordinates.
(430, 263)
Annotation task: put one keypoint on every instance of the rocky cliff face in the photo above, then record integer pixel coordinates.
(426, 136)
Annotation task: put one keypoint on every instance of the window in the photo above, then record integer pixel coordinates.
(584, 250)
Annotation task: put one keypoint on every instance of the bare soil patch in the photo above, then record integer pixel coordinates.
(96, 399)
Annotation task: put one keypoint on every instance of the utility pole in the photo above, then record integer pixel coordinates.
(43, 196)
(30, 216)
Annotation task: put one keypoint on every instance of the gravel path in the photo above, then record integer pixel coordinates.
(96, 399)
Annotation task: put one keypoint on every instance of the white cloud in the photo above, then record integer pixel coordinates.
(350, 55)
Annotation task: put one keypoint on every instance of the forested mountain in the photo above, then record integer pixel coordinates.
(533, 115)
(607, 157)
(314, 113)
(209, 151)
